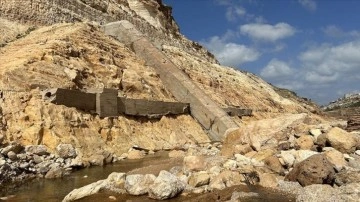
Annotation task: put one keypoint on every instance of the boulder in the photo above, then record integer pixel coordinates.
(66, 151)
(316, 169)
(116, 180)
(274, 164)
(199, 179)
(341, 140)
(268, 180)
(139, 184)
(194, 163)
(304, 142)
(347, 177)
(87, 190)
(336, 158)
(166, 186)
(36, 149)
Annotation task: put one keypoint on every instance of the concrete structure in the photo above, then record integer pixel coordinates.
(105, 103)
(154, 109)
(71, 98)
(202, 107)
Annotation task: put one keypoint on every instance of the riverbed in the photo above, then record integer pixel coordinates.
(53, 190)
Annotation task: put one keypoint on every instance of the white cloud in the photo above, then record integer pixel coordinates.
(327, 60)
(308, 4)
(275, 69)
(335, 31)
(233, 12)
(267, 32)
(231, 54)
(325, 70)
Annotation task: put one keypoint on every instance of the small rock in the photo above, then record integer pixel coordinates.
(230, 164)
(12, 155)
(274, 164)
(268, 180)
(66, 151)
(288, 158)
(166, 186)
(357, 152)
(24, 165)
(176, 154)
(14, 147)
(37, 159)
(97, 160)
(36, 149)
(348, 157)
(315, 133)
(305, 142)
(55, 172)
(2, 162)
(112, 198)
(284, 146)
(199, 179)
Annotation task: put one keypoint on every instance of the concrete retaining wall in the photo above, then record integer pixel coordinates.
(105, 103)
(71, 98)
(202, 108)
(138, 107)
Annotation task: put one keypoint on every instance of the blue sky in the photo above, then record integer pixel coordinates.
(309, 46)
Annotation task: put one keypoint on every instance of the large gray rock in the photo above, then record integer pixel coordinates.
(36, 149)
(166, 186)
(66, 151)
(139, 184)
(316, 169)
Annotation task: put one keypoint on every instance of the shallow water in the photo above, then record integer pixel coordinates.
(49, 190)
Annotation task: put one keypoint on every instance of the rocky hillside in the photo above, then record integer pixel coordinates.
(61, 44)
(347, 108)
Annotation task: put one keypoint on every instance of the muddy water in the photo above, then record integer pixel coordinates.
(45, 190)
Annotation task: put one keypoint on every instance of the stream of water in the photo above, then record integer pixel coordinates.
(54, 190)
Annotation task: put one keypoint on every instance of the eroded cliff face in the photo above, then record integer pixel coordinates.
(79, 56)
(151, 17)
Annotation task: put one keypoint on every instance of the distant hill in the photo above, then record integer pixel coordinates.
(347, 108)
